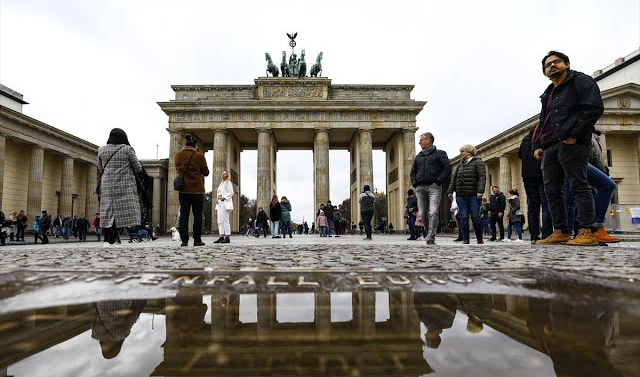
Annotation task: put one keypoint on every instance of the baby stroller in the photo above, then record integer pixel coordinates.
(137, 234)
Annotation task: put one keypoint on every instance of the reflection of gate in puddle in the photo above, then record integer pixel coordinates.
(585, 338)
(321, 346)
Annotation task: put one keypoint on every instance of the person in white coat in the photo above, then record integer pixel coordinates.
(224, 208)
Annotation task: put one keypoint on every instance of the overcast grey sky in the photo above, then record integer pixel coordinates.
(88, 66)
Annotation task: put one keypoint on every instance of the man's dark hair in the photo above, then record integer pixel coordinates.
(191, 141)
(562, 56)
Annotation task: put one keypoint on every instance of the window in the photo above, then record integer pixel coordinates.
(609, 158)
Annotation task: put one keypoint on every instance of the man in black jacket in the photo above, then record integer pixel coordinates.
(571, 105)
(431, 167)
(534, 187)
(497, 204)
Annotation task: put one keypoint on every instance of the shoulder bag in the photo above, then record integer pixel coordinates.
(97, 192)
(178, 182)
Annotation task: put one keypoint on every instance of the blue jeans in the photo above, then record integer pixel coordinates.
(604, 188)
(486, 228)
(469, 206)
(413, 231)
(367, 216)
(99, 233)
(329, 222)
(536, 199)
(274, 228)
(286, 228)
(518, 227)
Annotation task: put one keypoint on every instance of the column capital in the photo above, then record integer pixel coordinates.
(175, 130)
(366, 129)
(321, 129)
(263, 129)
(222, 130)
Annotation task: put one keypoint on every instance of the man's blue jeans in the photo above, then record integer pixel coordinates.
(413, 231)
(536, 199)
(469, 205)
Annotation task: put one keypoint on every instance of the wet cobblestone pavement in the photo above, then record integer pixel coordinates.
(619, 262)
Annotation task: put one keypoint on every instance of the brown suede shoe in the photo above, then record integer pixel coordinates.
(465, 242)
(602, 236)
(480, 241)
(556, 238)
(584, 238)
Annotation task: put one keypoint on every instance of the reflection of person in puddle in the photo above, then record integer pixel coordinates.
(437, 311)
(478, 308)
(188, 314)
(113, 322)
(577, 337)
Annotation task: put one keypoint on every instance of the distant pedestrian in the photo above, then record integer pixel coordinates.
(262, 223)
(83, 226)
(361, 226)
(96, 224)
(57, 226)
(515, 215)
(21, 225)
(484, 217)
(497, 205)
(412, 211)
(337, 220)
(328, 211)
(44, 223)
(36, 229)
(67, 225)
(275, 212)
(322, 224)
(285, 217)
(468, 183)
(192, 166)
(367, 200)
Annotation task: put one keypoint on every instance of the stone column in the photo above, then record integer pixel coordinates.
(173, 202)
(157, 192)
(321, 167)
(505, 173)
(364, 313)
(219, 165)
(603, 144)
(34, 191)
(266, 315)
(366, 158)
(91, 199)
(409, 141)
(323, 315)
(264, 168)
(66, 187)
(3, 144)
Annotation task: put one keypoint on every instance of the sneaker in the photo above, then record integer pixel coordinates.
(412, 238)
(584, 238)
(556, 238)
(431, 242)
(507, 240)
(518, 240)
(602, 236)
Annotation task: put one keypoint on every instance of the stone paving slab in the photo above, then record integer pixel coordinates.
(390, 252)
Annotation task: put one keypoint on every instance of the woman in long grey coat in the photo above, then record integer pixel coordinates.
(119, 203)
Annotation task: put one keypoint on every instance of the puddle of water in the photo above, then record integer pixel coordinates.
(345, 333)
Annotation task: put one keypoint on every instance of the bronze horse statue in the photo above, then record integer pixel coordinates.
(284, 67)
(271, 68)
(303, 65)
(316, 69)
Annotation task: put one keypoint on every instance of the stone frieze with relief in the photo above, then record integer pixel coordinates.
(292, 116)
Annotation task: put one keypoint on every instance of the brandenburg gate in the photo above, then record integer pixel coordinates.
(298, 113)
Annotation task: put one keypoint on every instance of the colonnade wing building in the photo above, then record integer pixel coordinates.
(619, 85)
(279, 113)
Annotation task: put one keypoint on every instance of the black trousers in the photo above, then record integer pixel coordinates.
(493, 219)
(562, 160)
(188, 203)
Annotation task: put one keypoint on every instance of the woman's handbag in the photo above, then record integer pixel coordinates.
(178, 182)
(97, 192)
